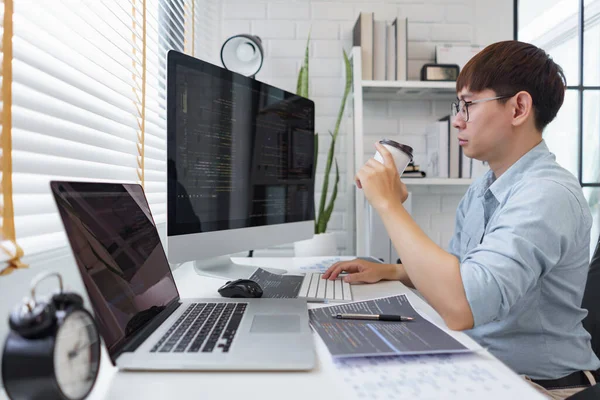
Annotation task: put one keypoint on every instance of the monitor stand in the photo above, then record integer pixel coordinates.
(222, 267)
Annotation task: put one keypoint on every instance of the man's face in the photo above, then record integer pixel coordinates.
(484, 136)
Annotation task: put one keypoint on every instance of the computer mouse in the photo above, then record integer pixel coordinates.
(244, 288)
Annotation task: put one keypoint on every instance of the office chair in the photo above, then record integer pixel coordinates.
(591, 302)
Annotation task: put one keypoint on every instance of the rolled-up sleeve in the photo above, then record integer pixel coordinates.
(524, 239)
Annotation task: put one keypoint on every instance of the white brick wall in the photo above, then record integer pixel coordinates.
(427, 13)
(284, 25)
(278, 29)
(434, 209)
(318, 29)
(332, 11)
(249, 10)
(288, 10)
(207, 30)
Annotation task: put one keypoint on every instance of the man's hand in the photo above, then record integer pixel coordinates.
(381, 182)
(363, 271)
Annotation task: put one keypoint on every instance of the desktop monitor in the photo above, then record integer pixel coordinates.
(241, 160)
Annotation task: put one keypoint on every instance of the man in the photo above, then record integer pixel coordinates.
(516, 270)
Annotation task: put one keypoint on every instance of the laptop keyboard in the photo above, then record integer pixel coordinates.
(315, 288)
(203, 327)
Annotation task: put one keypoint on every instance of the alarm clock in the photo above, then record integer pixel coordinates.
(439, 72)
(53, 348)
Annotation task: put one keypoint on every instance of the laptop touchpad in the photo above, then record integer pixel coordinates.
(276, 323)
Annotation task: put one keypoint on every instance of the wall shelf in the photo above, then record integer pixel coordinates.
(409, 89)
(363, 220)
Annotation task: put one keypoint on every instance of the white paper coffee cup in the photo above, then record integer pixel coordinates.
(402, 154)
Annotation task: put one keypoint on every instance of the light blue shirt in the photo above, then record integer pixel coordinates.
(523, 244)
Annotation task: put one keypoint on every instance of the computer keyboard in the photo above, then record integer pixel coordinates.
(203, 327)
(317, 289)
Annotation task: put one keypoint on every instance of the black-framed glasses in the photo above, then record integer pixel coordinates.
(462, 106)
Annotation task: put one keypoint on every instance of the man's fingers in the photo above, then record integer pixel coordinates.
(373, 163)
(359, 277)
(360, 177)
(335, 270)
(329, 271)
(385, 154)
(334, 273)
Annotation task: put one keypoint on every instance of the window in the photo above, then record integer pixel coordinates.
(83, 99)
(569, 30)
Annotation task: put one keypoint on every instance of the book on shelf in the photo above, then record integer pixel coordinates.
(437, 149)
(445, 158)
(362, 35)
(383, 47)
(479, 168)
(401, 35)
(390, 52)
(465, 165)
(413, 170)
(414, 174)
(379, 50)
(453, 151)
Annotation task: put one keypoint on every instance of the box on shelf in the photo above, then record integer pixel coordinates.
(458, 54)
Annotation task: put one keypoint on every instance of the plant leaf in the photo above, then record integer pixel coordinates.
(325, 188)
(302, 85)
(329, 210)
(315, 175)
(316, 153)
(346, 93)
(306, 70)
(299, 89)
(323, 218)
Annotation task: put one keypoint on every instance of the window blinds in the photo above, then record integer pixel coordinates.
(88, 103)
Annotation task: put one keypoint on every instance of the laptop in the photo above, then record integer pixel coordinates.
(140, 315)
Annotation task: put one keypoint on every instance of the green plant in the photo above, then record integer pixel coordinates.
(323, 214)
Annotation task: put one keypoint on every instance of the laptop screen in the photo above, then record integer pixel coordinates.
(119, 255)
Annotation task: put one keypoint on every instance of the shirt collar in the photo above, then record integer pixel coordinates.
(499, 186)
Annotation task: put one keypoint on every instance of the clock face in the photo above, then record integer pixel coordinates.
(76, 354)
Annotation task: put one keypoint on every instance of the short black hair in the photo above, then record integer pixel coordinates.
(511, 66)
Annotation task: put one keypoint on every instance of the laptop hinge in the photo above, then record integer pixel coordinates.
(144, 333)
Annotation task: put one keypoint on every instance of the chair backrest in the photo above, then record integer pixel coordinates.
(591, 300)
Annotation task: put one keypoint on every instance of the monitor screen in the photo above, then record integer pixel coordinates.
(119, 254)
(240, 152)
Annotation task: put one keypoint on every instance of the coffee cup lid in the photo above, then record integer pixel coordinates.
(404, 147)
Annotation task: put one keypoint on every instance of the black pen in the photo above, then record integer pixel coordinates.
(374, 317)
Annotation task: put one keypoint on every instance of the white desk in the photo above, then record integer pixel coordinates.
(324, 382)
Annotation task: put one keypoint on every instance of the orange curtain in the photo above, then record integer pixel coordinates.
(8, 233)
(189, 28)
(140, 86)
(193, 27)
